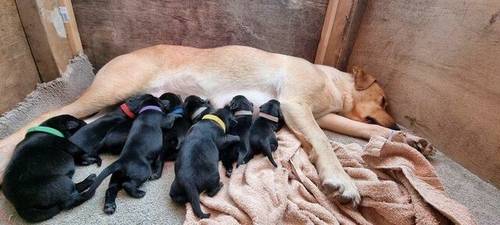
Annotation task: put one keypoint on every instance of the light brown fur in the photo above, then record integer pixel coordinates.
(311, 95)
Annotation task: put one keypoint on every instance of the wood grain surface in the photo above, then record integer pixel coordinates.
(109, 28)
(439, 62)
(18, 74)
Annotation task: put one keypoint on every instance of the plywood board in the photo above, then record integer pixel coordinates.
(52, 34)
(439, 63)
(110, 27)
(18, 74)
(339, 32)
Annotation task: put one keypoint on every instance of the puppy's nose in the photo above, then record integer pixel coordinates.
(395, 127)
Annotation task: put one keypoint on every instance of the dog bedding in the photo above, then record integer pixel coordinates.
(398, 186)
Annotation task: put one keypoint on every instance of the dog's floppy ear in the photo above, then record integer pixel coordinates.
(164, 105)
(362, 80)
(169, 120)
(73, 125)
(281, 119)
(233, 106)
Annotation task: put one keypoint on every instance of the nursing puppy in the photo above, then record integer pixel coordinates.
(196, 108)
(242, 109)
(38, 179)
(173, 137)
(141, 158)
(196, 167)
(99, 135)
(262, 132)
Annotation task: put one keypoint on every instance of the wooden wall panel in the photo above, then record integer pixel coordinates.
(439, 62)
(52, 34)
(112, 27)
(18, 74)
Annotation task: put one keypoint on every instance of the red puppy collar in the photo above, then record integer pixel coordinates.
(125, 109)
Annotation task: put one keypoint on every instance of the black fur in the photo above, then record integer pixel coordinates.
(91, 138)
(196, 167)
(192, 103)
(141, 158)
(262, 132)
(237, 151)
(38, 179)
(173, 138)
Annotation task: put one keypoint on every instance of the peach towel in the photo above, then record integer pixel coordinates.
(397, 184)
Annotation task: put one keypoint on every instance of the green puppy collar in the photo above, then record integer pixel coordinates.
(48, 130)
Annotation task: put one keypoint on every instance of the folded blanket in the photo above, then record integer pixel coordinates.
(398, 186)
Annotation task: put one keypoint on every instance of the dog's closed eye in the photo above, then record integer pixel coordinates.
(370, 120)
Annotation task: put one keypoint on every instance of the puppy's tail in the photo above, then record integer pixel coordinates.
(267, 152)
(271, 159)
(194, 198)
(115, 166)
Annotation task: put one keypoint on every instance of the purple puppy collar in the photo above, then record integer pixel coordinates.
(150, 107)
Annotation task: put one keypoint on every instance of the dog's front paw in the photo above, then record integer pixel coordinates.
(348, 192)
(154, 176)
(422, 145)
(109, 208)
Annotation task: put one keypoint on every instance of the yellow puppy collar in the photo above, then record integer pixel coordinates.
(216, 119)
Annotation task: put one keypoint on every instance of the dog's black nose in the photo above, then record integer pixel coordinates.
(395, 127)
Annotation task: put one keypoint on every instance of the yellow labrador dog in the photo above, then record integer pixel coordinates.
(311, 96)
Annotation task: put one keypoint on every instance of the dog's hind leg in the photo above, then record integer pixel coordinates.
(157, 167)
(176, 193)
(83, 185)
(212, 191)
(300, 120)
(111, 193)
(131, 187)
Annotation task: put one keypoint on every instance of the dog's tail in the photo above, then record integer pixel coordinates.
(267, 152)
(194, 199)
(115, 166)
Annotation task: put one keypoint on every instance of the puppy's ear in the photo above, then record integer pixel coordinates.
(169, 120)
(164, 104)
(362, 80)
(281, 119)
(233, 106)
(74, 125)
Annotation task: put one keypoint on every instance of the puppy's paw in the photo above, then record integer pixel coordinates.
(154, 176)
(348, 192)
(422, 145)
(92, 177)
(109, 208)
(98, 161)
(139, 194)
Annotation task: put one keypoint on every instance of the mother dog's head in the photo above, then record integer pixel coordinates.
(369, 103)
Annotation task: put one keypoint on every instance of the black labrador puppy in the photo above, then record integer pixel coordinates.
(173, 138)
(262, 132)
(196, 107)
(141, 158)
(196, 167)
(92, 138)
(115, 138)
(242, 109)
(38, 179)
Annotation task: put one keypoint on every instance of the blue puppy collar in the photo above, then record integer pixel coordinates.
(178, 110)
